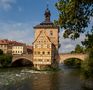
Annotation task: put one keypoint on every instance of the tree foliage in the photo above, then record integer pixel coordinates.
(87, 65)
(74, 16)
(88, 42)
(1, 52)
(79, 49)
(5, 60)
(73, 62)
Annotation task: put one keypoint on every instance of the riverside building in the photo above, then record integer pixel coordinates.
(12, 47)
(46, 43)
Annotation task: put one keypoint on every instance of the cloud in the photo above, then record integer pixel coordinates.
(17, 31)
(6, 4)
(68, 45)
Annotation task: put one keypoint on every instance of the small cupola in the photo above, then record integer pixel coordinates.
(47, 14)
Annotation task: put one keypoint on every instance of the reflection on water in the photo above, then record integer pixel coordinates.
(26, 79)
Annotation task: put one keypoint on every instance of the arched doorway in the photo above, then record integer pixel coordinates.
(22, 62)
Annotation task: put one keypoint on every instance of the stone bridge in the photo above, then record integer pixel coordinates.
(68, 56)
(61, 56)
(23, 56)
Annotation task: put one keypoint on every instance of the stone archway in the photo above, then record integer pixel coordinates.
(73, 58)
(73, 62)
(19, 62)
(67, 56)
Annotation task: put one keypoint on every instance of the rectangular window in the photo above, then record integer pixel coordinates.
(43, 52)
(38, 52)
(35, 52)
(48, 53)
(51, 33)
(47, 60)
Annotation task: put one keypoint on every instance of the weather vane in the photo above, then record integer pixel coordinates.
(47, 4)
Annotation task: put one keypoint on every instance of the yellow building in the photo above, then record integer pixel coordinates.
(46, 44)
(4, 46)
(18, 48)
(12, 47)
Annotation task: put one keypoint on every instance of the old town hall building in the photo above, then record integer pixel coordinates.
(46, 43)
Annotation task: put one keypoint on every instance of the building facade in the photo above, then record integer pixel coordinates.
(12, 47)
(4, 46)
(46, 43)
(18, 49)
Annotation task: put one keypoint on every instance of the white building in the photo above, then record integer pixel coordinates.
(18, 48)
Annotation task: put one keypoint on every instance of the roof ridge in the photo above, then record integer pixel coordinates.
(37, 37)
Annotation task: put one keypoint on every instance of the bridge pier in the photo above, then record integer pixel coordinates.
(37, 66)
(41, 67)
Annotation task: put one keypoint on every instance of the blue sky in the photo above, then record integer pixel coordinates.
(25, 10)
(17, 18)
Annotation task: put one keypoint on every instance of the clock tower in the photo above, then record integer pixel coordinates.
(46, 43)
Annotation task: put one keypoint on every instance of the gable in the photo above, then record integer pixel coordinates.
(42, 38)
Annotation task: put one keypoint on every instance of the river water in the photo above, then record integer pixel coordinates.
(27, 79)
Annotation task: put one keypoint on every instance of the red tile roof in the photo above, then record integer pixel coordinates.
(4, 41)
(10, 42)
(29, 47)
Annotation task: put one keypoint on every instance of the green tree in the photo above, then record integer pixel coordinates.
(88, 42)
(87, 65)
(5, 60)
(79, 49)
(73, 62)
(74, 16)
(72, 52)
(1, 52)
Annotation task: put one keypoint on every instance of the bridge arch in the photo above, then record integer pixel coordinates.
(22, 61)
(64, 57)
(73, 62)
(73, 58)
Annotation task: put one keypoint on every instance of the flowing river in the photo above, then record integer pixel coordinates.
(27, 79)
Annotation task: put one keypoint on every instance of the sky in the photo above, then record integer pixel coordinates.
(18, 17)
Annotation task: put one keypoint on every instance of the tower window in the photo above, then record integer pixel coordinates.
(51, 33)
(39, 41)
(48, 53)
(34, 52)
(47, 60)
(38, 52)
(43, 52)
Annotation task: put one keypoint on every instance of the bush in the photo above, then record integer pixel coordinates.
(87, 66)
(1, 52)
(5, 60)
